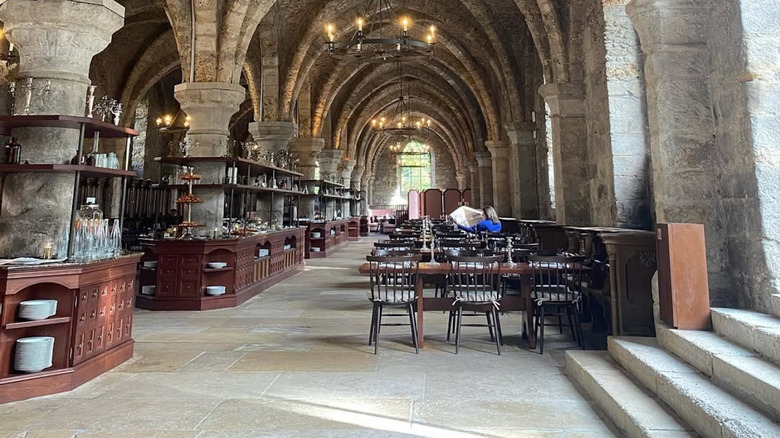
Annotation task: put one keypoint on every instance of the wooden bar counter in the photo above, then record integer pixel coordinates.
(92, 328)
(327, 237)
(182, 274)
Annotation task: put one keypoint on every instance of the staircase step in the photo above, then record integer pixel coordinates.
(710, 410)
(634, 410)
(755, 331)
(775, 300)
(732, 367)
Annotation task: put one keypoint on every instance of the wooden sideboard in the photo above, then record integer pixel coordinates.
(253, 264)
(331, 236)
(92, 328)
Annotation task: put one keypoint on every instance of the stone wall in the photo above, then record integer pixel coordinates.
(746, 136)
(444, 169)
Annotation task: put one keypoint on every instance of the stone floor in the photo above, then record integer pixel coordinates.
(293, 362)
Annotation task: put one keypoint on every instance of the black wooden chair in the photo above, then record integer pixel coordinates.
(556, 291)
(474, 284)
(392, 285)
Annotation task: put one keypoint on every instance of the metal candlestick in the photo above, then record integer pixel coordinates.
(12, 94)
(116, 110)
(509, 260)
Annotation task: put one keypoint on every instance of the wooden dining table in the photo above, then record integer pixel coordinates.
(510, 303)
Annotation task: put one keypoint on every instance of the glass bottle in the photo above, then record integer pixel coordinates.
(7, 153)
(116, 239)
(89, 218)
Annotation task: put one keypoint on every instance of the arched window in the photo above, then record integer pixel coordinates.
(414, 167)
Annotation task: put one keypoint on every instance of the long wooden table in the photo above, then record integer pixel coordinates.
(508, 303)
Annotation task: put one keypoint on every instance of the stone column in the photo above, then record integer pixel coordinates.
(307, 149)
(345, 171)
(462, 180)
(56, 40)
(485, 162)
(474, 176)
(523, 170)
(329, 163)
(502, 189)
(210, 106)
(272, 136)
(357, 177)
(570, 154)
(686, 163)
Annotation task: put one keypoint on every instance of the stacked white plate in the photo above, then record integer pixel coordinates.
(148, 290)
(37, 309)
(215, 291)
(150, 264)
(315, 249)
(316, 235)
(33, 354)
(217, 265)
(263, 253)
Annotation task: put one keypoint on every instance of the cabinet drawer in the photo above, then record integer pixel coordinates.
(189, 289)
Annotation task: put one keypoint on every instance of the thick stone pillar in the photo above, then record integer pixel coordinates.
(210, 106)
(686, 163)
(57, 40)
(345, 171)
(357, 177)
(462, 179)
(523, 169)
(474, 174)
(272, 136)
(570, 154)
(307, 150)
(329, 160)
(485, 162)
(499, 152)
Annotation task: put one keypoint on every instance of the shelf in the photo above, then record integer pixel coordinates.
(88, 171)
(38, 323)
(106, 130)
(227, 187)
(322, 181)
(226, 269)
(242, 163)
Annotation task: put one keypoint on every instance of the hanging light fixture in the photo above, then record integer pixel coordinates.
(381, 46)
(401, 120)
(177, 123)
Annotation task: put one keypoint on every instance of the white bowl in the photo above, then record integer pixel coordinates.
(263, 253)
(315, 249)
(37, 309)
(316, 235)
(148, 290)
(150, 264)
(215, 291)
(217, 265)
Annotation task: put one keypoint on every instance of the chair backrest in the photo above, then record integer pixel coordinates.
(556, 278)
(464, 244)
(395, 245)
(475, 279)
(393, 277)
(381, 252)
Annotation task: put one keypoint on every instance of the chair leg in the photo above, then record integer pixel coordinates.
(540, 321)
(569, 317)
(490, 325)
(498, 330)
(578, 325)
(498, 327)
(410, 309)
(373, 324)
(458, 329)
(560, 321)
(450, 324)
(376, 328)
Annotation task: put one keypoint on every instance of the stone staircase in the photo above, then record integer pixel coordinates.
(724, 383)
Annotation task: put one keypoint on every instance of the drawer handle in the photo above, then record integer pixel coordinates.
(93, 314)
(83, 317)
(94, 294)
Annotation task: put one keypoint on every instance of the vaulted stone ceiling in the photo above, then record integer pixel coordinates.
(490, 57)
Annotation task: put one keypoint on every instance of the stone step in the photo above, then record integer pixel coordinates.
(755, 331)
(710, 410)
(730, 366)
(775, 300)
(634, 410)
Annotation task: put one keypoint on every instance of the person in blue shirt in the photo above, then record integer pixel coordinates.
(489, 223)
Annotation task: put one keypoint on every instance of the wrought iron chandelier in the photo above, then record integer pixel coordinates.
(381, 46)
(177, 123)
(401, 120)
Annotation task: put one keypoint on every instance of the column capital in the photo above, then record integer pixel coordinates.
(272, 131)
(329, 160)
(210, 105)
(307, 149)
(564, 99)
(57, 39)
(669, 22)
(484, 159)
(498, 149)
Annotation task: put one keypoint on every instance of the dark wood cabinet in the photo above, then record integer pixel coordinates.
(327, 237)
(92, 328)
(683, 289)
(254, 263)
